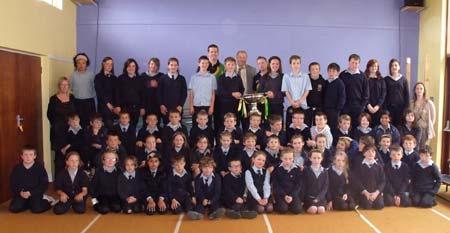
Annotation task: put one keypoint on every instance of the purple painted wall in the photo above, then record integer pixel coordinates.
(321, 30)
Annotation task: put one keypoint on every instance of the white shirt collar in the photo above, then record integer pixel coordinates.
(369, 163)
(174, 127)
(338, 171)
(257, 169)
(289, 168)
(302, 127)
(127, 174)
(350, 72)
(398, 164)
(124, 126)
(175, 173)
(152, 130)
(343, 131)
(208, 179)
(230, 75)
(364, 130)
(170, 75)
(253, 130)
(75, 130)
(422, 165)
(202, 127)
(317, 171)
(109, 170)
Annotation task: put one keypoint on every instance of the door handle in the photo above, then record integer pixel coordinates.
(19, 120)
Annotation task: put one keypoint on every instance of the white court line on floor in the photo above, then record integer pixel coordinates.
(177, 227)
(91, 223)
(440, 214)
(266, 220)
(367, 221)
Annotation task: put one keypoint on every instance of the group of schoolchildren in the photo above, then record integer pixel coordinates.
(254, 169)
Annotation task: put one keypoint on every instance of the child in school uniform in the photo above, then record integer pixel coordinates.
(127, 133)
(344, 128)
(172, 90)
(363, 129)
(223, 152)
(271, 83)
(298, 127)
(172, 127)
(425, 180)
(321, 143)
(95, 138)
(356, 88)
(179, 146)
(377, 93)
(300, 157)
(201, 150)
(296, 87)
(255, 128)
(316, 96)
(179, 186)
(334, 95)
(28, 182)
(129, 186)
(230, 121)
(357, 155)
(397, 92)
(410, 127)
(410, 155)
(105, 84)
(154, 181)
(143, 153)
(386, 127)
(230, 89)
(316, 184)
(257, 180)
(74, 141)
(112, 145)
(203, 127)
(287, 184)
(103, 186)
(129, 91)
(339, 195)
(71, 185)
(321, 127)
(208, 190)
(368, 180)
(276, 129)
(151, 78)
(233, 192)
(272, 151)
(151, 128)
(249, 149)
(397, 180)
(202, 90)
(384, 145)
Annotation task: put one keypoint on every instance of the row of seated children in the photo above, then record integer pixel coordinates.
(284, 187)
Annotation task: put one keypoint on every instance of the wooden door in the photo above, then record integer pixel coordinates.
(445, 163)
(20, 94)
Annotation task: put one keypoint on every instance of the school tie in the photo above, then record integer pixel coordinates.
(153, 174)
(205, 181)
(259, 172)
(225, 153)
(396, 166)
(130, 177)
(124, 129)
(173, 77)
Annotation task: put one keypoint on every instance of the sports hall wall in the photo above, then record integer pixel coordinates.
(320, 30)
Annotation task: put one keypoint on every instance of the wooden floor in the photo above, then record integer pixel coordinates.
(410, 220)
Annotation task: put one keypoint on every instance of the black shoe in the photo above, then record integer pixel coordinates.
(192, 215)
(249, 214)
(233, 214)
(217, 214)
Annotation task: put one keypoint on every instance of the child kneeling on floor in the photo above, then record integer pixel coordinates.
(208, 186)
(426, 180)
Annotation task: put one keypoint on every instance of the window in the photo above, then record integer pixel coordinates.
(55, 3)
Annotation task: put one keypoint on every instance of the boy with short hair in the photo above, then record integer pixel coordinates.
(344, 128)
(321, 127)
(229, 89)
(152, 128)
(223, 152)
(173, 126)
(230, 121)
(112, 144)
(127, 133)
(410, 155)
(296, 87)
(233, 193)
(298, 127)
(203, 127)
(249, 149)
(95, 137)
(208, 188)
(74, 141)
(426, 180)
(28, 183)
(316, 96)
(276, 128)
(356, 88)
(254, 127)
(397, 180)
(202, 90)
(334, 95)
(179, 186)
(384, 145)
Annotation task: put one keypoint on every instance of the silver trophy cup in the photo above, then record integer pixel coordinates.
(253, 100)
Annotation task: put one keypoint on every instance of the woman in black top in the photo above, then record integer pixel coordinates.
(59, 106)
(104, 87)
(377, 94)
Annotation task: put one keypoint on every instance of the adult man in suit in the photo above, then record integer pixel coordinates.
(245, 71)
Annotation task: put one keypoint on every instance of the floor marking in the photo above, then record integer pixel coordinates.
(177, 227)
(266, 220)
(91, 223)
(440, 214)
(367, 221)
